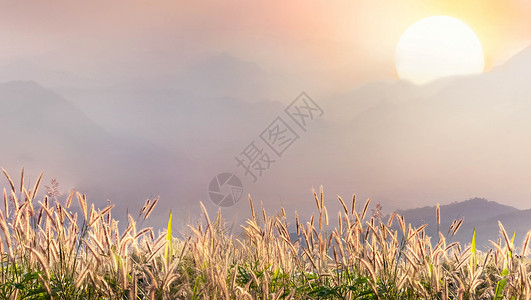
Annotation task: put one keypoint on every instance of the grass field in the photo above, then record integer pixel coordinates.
(49, 252)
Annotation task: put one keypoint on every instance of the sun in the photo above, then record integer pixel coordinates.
(436, 47)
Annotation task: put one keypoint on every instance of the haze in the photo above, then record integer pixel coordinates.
(126, 100)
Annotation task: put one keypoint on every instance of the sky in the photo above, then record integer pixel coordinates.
(148, 98)
(351, 41)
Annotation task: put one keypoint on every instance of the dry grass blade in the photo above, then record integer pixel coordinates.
(5, 230)
(421, 228)
(486, 260)
(402, 224)
(46, 285)
(316, 200)
(6, 204)
(81, 277)
(29, 200)
(104, 262)
(297, 223)
(69, 199)
(506, 237)
(18, 215)
(343, 204)
(252, 208)
(101, 214)
(145, 206)
(143, 231)
(148, 212)
(14, 198)
(322, 197)
(451, 228)
(365, 208)
(391, 218)
(454, 244)
(82, 203)
(36, 186)
(9, 179)
(41, 260)
(526, 243)
(457, 226)
(156, 251)
(353, 205)
(326, 215)
(438, 215)
(205, 213)
(22, 179)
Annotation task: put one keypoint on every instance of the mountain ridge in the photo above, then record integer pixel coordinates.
(477, 213)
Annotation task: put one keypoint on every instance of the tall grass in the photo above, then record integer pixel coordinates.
(49, 252)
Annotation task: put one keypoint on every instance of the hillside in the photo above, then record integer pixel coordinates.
(45, 132)
(478, 213)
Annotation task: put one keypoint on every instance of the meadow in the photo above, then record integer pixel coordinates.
(51, 252)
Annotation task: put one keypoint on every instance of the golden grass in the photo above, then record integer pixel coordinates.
(87, 257)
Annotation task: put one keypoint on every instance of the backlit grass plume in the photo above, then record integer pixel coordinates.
(48, 251)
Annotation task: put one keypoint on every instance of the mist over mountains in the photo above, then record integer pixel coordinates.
(400, 144)
(44, 132)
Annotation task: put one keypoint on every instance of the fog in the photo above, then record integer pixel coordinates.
(125, 103)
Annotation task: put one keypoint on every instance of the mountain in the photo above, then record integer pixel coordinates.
(187, 104)
(400, 144)
(38, 125)
(21, 70)
(458, 137)
(479, 214)
(226, 76)
(474, 210)
(45, 132)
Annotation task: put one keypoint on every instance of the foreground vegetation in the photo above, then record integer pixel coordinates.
(49, 252)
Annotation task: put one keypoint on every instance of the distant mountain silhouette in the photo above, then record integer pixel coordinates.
(41, 126)
(400, 144)
(21, 70)
(478, 213)
(475, 209)
(44, 132)
(226, 76)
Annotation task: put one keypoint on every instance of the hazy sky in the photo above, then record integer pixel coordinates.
(159, 80)
(350, 41)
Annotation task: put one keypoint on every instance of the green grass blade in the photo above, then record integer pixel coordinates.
(500, 286)
(169, 248)
(512, 244)
(473, 256)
